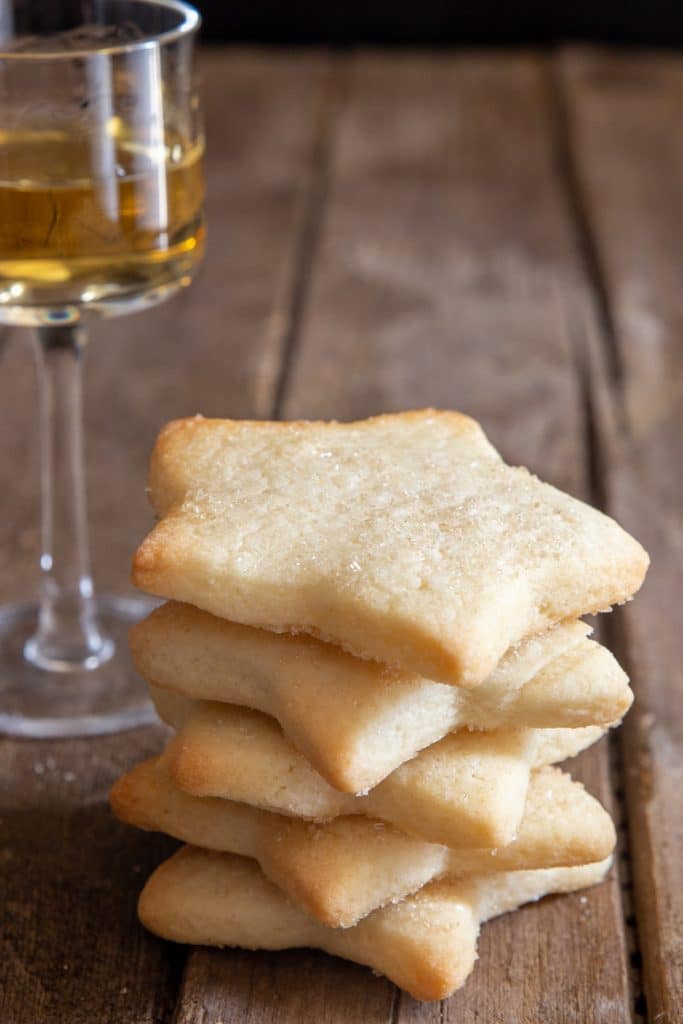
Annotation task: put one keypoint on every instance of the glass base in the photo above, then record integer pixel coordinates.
(108, 698)
(67, 314)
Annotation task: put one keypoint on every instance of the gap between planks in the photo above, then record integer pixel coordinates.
(311, 222)
(586, 243)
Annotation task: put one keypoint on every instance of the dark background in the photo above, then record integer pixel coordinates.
(437, 22)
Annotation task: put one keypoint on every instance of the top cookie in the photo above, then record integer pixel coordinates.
(403, 538)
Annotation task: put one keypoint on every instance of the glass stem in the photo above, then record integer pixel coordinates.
(68, 637)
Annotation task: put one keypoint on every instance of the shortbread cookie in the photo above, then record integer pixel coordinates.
(356, 721)
(467, 790)
(342, 870)
(403, 538)
(426, 944)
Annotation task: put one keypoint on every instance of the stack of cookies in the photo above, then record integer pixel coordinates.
(372, 658)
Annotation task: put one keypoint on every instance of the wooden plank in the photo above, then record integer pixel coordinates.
(287, 988)
(69, 874)
(626, 116)
(69, 877)
(448, 275)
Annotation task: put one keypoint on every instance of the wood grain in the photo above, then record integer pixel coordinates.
(71, 947)
(626, 115)
(290, 987)
(448, 274)
(385, 232)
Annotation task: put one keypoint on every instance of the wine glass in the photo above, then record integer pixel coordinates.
(101, 198)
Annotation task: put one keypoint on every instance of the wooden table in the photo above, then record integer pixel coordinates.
(501, 234)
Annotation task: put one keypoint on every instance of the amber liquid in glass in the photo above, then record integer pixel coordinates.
(100, 222)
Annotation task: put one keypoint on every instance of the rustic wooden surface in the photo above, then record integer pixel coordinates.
(500, 234)
(626, 120)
